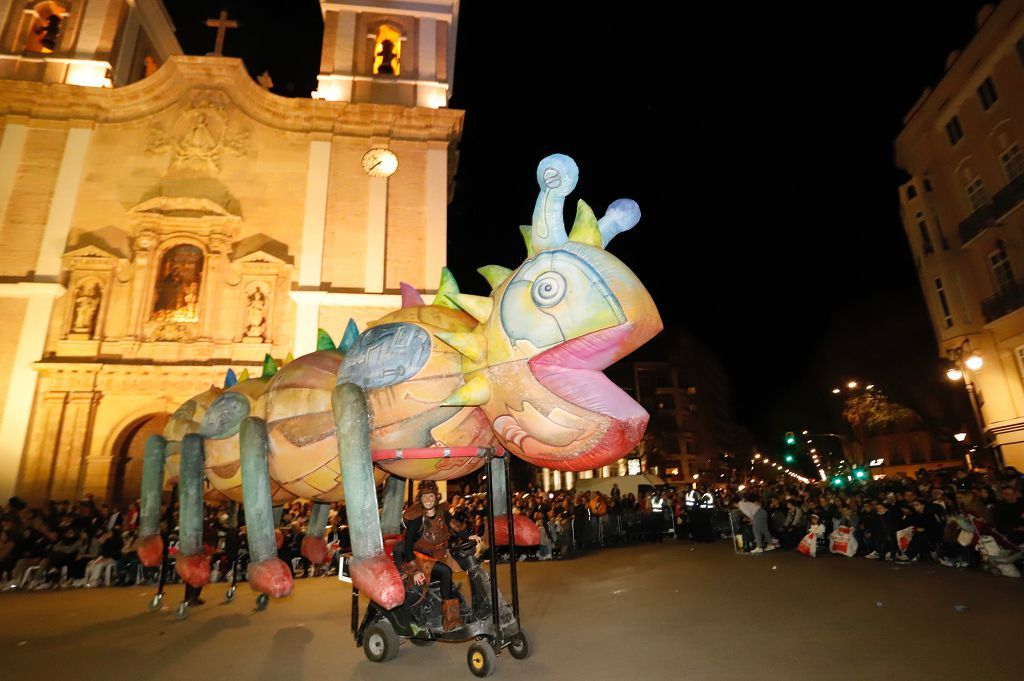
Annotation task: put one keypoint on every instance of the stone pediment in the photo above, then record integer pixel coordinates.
(181, 206)
(259, 256)
(91, 251)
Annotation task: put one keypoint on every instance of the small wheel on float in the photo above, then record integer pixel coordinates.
(229, 595)
(380, 642)
(262, 601)
(182, 611)
(157, 601)
(481, 658)
(519, 647)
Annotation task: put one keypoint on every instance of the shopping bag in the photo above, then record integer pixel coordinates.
(843, 542)
(903, 538)
(808, 545)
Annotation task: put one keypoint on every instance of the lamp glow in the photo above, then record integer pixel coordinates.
(974, 362)
(960, 437)
(954, 374)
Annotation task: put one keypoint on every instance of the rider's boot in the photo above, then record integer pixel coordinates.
(450, 617)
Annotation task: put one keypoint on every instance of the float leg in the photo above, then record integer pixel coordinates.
(372, 572)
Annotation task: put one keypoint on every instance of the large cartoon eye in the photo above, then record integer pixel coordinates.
(548, 289)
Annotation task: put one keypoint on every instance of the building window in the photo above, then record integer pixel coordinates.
(691, 447)
(1002, 271)
(987, 94)
(976, 195)
(954, 130)
(926, 240)
(1013, 162)
(947, 315)
(387, 52)
(911, 192)
(927, 185)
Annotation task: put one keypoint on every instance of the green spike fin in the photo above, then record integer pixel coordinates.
(527, 231)
(494, 274)
(447, 288)
(349, 337)
(475, 392)
(478, 307)
(324, 340)
(585, 229)
(472, 345)
(269, 367)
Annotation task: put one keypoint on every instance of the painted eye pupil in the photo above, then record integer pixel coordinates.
(549, 289)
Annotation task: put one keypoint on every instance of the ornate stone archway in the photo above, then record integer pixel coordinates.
(127, 453)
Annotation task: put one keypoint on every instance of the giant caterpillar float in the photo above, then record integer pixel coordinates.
(520, 369)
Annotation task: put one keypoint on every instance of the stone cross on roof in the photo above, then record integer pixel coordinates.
(222, 25)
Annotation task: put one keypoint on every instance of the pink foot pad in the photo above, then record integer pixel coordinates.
(527, 532)
(279, 538)
(271, 577)
(378, 578)
(150, 550)
(314, 549)
(194, 570)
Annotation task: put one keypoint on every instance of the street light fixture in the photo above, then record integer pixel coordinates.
(851, 385)
(963, 357)
(835, 391)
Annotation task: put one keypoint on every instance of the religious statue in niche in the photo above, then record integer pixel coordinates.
(87, 303)
(198, 138)
(177, 285)
(49, 33)
(256, 315)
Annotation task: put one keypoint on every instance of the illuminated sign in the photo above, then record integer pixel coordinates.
(876, 462)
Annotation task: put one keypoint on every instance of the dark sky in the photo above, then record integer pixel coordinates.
(758, 142)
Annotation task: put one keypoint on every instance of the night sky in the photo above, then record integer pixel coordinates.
(758, 143)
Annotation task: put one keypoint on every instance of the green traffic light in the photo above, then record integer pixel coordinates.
(858, 473)
(789, 458)
(790, 440)
(838, 482)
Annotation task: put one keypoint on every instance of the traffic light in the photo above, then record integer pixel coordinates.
(790, 438)
(837, 481)
(789, 458)
(859, 473)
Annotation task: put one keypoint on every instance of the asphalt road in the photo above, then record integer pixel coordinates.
(673, 611)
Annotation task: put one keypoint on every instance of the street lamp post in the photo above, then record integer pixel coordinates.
(964, 361)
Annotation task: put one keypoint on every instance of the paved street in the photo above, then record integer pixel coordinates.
(663, 611)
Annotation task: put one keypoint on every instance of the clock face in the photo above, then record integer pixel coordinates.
(380, 163)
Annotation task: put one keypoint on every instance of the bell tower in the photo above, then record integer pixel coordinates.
(388, 53)
(92, 43)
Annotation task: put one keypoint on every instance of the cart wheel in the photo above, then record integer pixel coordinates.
(519, 647)
(229, 595)
(262, 601)
(421, 642)
(182, 611)
(154, 604)
(481, 658)
(380, 642)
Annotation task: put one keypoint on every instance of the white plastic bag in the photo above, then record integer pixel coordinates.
(843, 542)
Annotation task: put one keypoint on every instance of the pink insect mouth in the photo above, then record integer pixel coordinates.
(572, 371)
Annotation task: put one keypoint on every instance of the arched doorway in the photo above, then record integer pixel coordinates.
(129, 449)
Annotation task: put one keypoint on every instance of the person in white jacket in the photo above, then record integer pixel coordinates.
(751, 507)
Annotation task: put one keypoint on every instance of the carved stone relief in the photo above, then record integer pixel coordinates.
(197, 140)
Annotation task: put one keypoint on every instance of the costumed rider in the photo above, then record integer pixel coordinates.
(425, 556)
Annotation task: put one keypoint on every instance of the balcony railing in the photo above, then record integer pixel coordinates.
(1005, 200)
(979, 220)
(1004, 302)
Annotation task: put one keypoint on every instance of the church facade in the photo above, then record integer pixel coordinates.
(170, 219)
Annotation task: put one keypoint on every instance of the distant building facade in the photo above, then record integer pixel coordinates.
(963, 213)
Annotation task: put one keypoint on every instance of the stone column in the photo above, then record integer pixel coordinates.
(42, 446)
(436, 236)
(75, 440)
(12, 145)
(376, 234)
(22, 387)
(311, 256)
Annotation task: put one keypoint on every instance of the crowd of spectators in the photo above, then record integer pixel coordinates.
(942, 516)
(87, 543)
